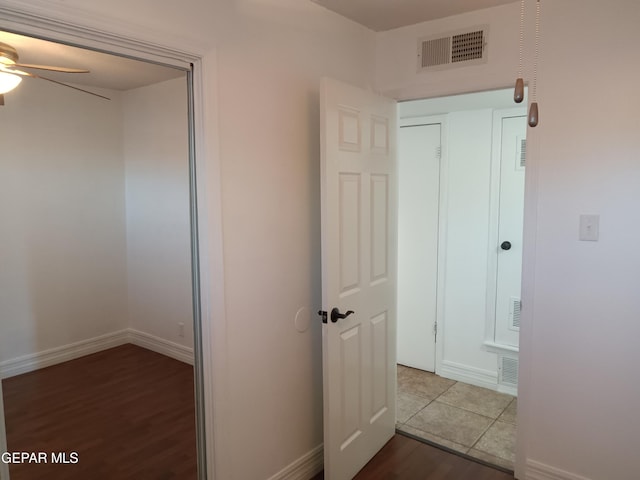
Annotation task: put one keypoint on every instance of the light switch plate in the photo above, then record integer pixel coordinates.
(589, 228)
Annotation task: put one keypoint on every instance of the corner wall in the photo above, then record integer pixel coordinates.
(156, 159)
(578, 401)
(62, 210)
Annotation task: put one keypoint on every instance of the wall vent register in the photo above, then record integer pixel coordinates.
(453, 49)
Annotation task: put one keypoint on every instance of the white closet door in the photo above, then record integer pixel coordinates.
(419, 150)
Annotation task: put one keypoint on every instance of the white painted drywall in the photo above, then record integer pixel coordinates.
(270, 154)
(580, 165)
(63, 262)
(270, 57)
(583, 350)
(578, 353)
(156, 161)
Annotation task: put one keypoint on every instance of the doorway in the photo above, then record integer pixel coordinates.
(457, 354)
(106, 229)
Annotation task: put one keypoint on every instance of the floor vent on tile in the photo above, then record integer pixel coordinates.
(508, 370)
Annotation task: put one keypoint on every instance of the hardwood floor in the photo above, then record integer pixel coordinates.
(127, 412)
(404, 458)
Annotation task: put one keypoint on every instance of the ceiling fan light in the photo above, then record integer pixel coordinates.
(8, 81)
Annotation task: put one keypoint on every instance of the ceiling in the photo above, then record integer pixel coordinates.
(381, 15)
(106, 71)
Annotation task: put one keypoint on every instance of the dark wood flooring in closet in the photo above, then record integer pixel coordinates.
(127, 412)
(404, 458)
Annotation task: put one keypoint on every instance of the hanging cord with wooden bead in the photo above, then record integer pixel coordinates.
(518, 94)
(533, 110)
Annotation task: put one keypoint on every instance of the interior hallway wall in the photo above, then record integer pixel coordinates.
(270, 56)
(579, 317)
(156, 159)
(63, 255)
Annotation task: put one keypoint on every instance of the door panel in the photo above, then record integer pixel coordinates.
(358, 274)
(418, 217)
(510, 225)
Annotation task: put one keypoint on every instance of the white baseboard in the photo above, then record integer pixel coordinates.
(304, 468)
(160, 345)
(53, 356)
(46, 358)
(540, 471)
(471, 375)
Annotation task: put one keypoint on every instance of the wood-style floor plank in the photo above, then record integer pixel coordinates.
(404, 458)
(127, 411)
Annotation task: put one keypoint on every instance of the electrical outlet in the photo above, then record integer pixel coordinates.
(180, 329)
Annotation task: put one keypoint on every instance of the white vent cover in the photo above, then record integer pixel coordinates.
(521, 153)
(508, 370)
(465, 47)
(514, 313)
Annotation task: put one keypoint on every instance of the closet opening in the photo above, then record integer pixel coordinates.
(100, 344)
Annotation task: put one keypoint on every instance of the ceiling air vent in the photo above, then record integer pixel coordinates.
(459, 48)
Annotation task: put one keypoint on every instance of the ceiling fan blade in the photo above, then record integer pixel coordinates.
(33, 75)
(51, 68)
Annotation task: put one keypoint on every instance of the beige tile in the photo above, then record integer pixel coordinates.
(423, 384)
(433, 438)
(499, 441)
(408, 405)
(509, 415)
(476, 399)
(404, 371)
(454, 424)
(501, 462)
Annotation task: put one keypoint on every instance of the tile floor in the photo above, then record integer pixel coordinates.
(464, 418)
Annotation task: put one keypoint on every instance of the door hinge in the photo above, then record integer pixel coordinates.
(439, 152)
(435, 330)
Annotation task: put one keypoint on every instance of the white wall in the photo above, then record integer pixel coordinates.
(271, 55)
(583, 354)
(84, 252)
(270, 153)
(578, 354)
(156, 159)
(62, 274)
(578, 398)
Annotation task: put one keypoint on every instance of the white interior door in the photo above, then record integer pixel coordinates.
(358, 131)
(510, 224)
(419, 151)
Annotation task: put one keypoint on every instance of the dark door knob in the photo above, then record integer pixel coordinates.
(336, 315)
(505, 245)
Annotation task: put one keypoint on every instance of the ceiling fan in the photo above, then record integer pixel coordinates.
(11, 72)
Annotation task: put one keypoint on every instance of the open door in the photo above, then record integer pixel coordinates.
(358, 142)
